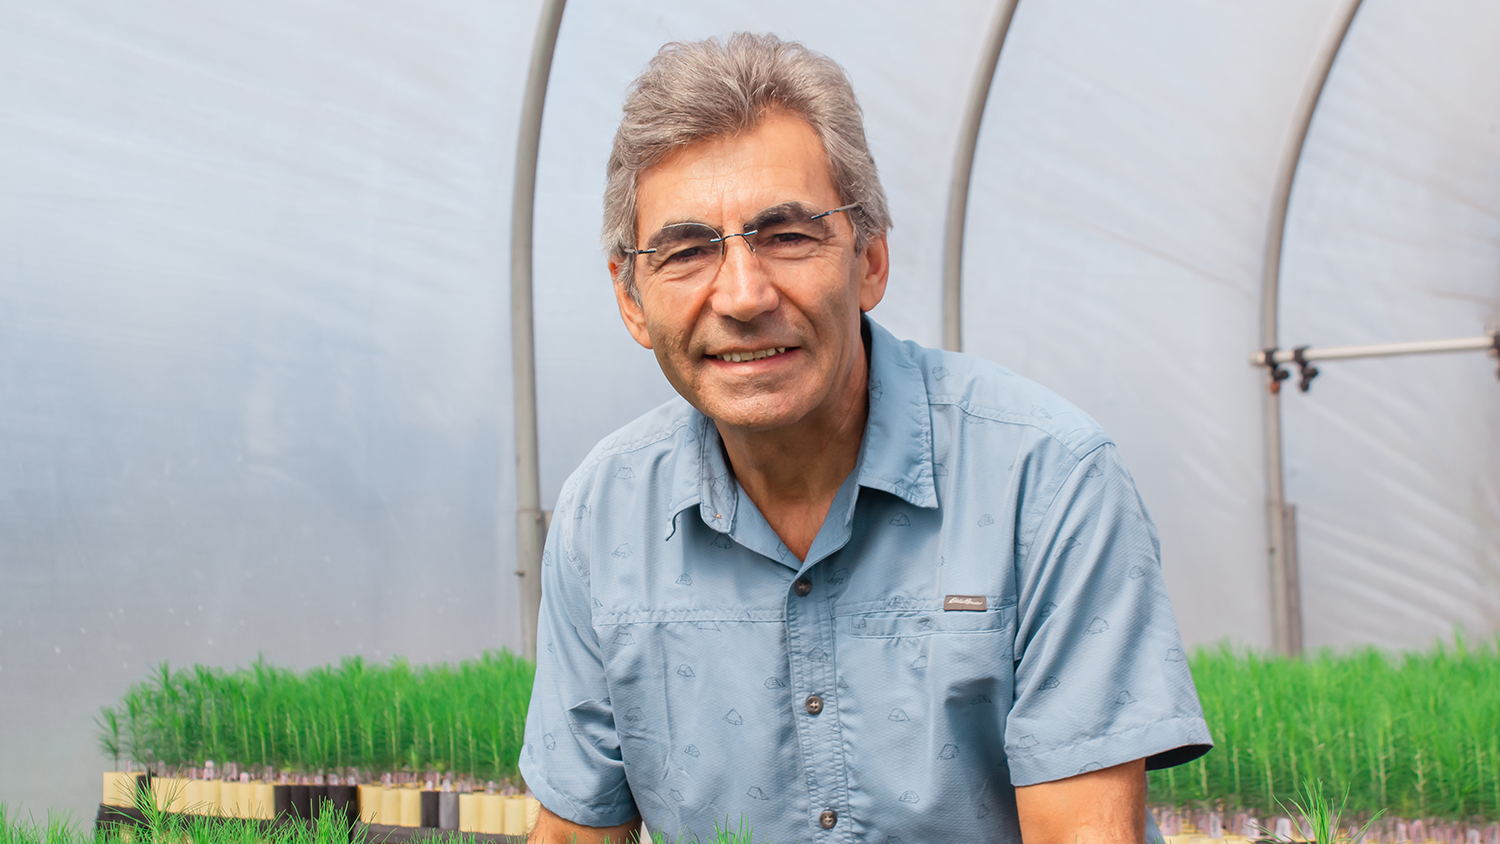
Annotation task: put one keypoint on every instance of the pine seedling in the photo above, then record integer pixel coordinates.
(1322, 817)
(109, 733)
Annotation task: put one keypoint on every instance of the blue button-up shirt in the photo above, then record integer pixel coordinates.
(680, 642)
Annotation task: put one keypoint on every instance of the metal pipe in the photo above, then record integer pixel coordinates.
(530, 522)
(1286, 628)
(963, 170)
(1379, 350)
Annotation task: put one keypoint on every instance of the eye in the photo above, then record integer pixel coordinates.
(687, 253)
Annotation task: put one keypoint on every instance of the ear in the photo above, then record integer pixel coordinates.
(630, 310)
(873, 267)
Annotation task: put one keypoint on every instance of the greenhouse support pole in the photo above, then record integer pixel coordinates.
(530, 520)
(1286, 618)
(963, 170)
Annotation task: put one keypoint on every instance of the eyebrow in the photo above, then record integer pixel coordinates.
(679, 230)
(778, 214)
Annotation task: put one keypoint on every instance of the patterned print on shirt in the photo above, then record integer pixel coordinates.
(723, 541)
(949, 751)
(775, 683)
(1124, 698)
(685, 670)
(986, 520)
(898, 714)
(624, 474)
(876, 391)
(622, 550)
(692, 750)
(623, 638)
(1098, 625)
(900, 520)
(909, 797)
(1175, 655)
(549, 742)
(1050, 683)
(939, 373)
(755, 793)
(733, 717)
(685, 580)
(919, 663)
(978, 699)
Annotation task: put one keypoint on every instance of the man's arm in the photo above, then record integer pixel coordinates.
(551, 829)
(1107, 806)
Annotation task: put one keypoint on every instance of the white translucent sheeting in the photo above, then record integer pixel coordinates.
(911, 70)
(1114, 250)
(254, 377)
(1394, 235)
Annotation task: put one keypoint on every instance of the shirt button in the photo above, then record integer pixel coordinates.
(803, 586)
(828, 819)
(814, 705)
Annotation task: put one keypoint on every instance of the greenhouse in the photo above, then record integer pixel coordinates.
(306, 322)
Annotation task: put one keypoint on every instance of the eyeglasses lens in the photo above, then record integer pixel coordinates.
(686, 251)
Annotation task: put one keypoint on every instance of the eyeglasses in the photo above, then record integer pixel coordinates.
(779, 235)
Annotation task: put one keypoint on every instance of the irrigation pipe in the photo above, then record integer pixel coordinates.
(530, 521)
(1286, 611)
(1486, 343)
(963, 171)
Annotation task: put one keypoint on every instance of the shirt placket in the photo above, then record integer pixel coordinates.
(810, 637)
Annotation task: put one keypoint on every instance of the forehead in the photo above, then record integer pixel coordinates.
(725, 181)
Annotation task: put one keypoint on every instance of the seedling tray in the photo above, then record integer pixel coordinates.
(374, 833)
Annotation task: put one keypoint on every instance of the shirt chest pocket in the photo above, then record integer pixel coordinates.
(909, 624)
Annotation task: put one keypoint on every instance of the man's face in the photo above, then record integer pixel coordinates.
(750, 303)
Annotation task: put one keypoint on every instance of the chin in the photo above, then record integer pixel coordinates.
(764, 414)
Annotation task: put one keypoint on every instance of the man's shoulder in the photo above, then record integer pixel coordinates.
(644, 441)
(980, 391)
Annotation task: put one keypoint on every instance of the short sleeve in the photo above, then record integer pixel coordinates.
(1101, 674)
(571, 757)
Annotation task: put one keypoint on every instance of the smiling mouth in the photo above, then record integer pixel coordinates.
(742, 357)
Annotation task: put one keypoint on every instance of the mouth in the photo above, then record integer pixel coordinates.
(744, 357)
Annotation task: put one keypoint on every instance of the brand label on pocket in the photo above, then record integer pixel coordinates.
(972, 603)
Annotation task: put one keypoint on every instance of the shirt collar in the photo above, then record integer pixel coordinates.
(895, 455)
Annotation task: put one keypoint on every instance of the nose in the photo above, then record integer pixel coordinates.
(743, 290)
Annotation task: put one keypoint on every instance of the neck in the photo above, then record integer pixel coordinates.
(793, 473)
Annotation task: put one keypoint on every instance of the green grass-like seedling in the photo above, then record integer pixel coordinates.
(1415, 734)
(468, 718)
(1323, 819)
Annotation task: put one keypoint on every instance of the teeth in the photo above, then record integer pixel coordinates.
(741, 357)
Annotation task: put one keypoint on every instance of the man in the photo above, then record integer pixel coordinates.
(848, 588)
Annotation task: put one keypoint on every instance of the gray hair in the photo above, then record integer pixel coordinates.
(701, 90)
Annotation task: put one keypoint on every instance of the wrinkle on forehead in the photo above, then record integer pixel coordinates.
(721, 180)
